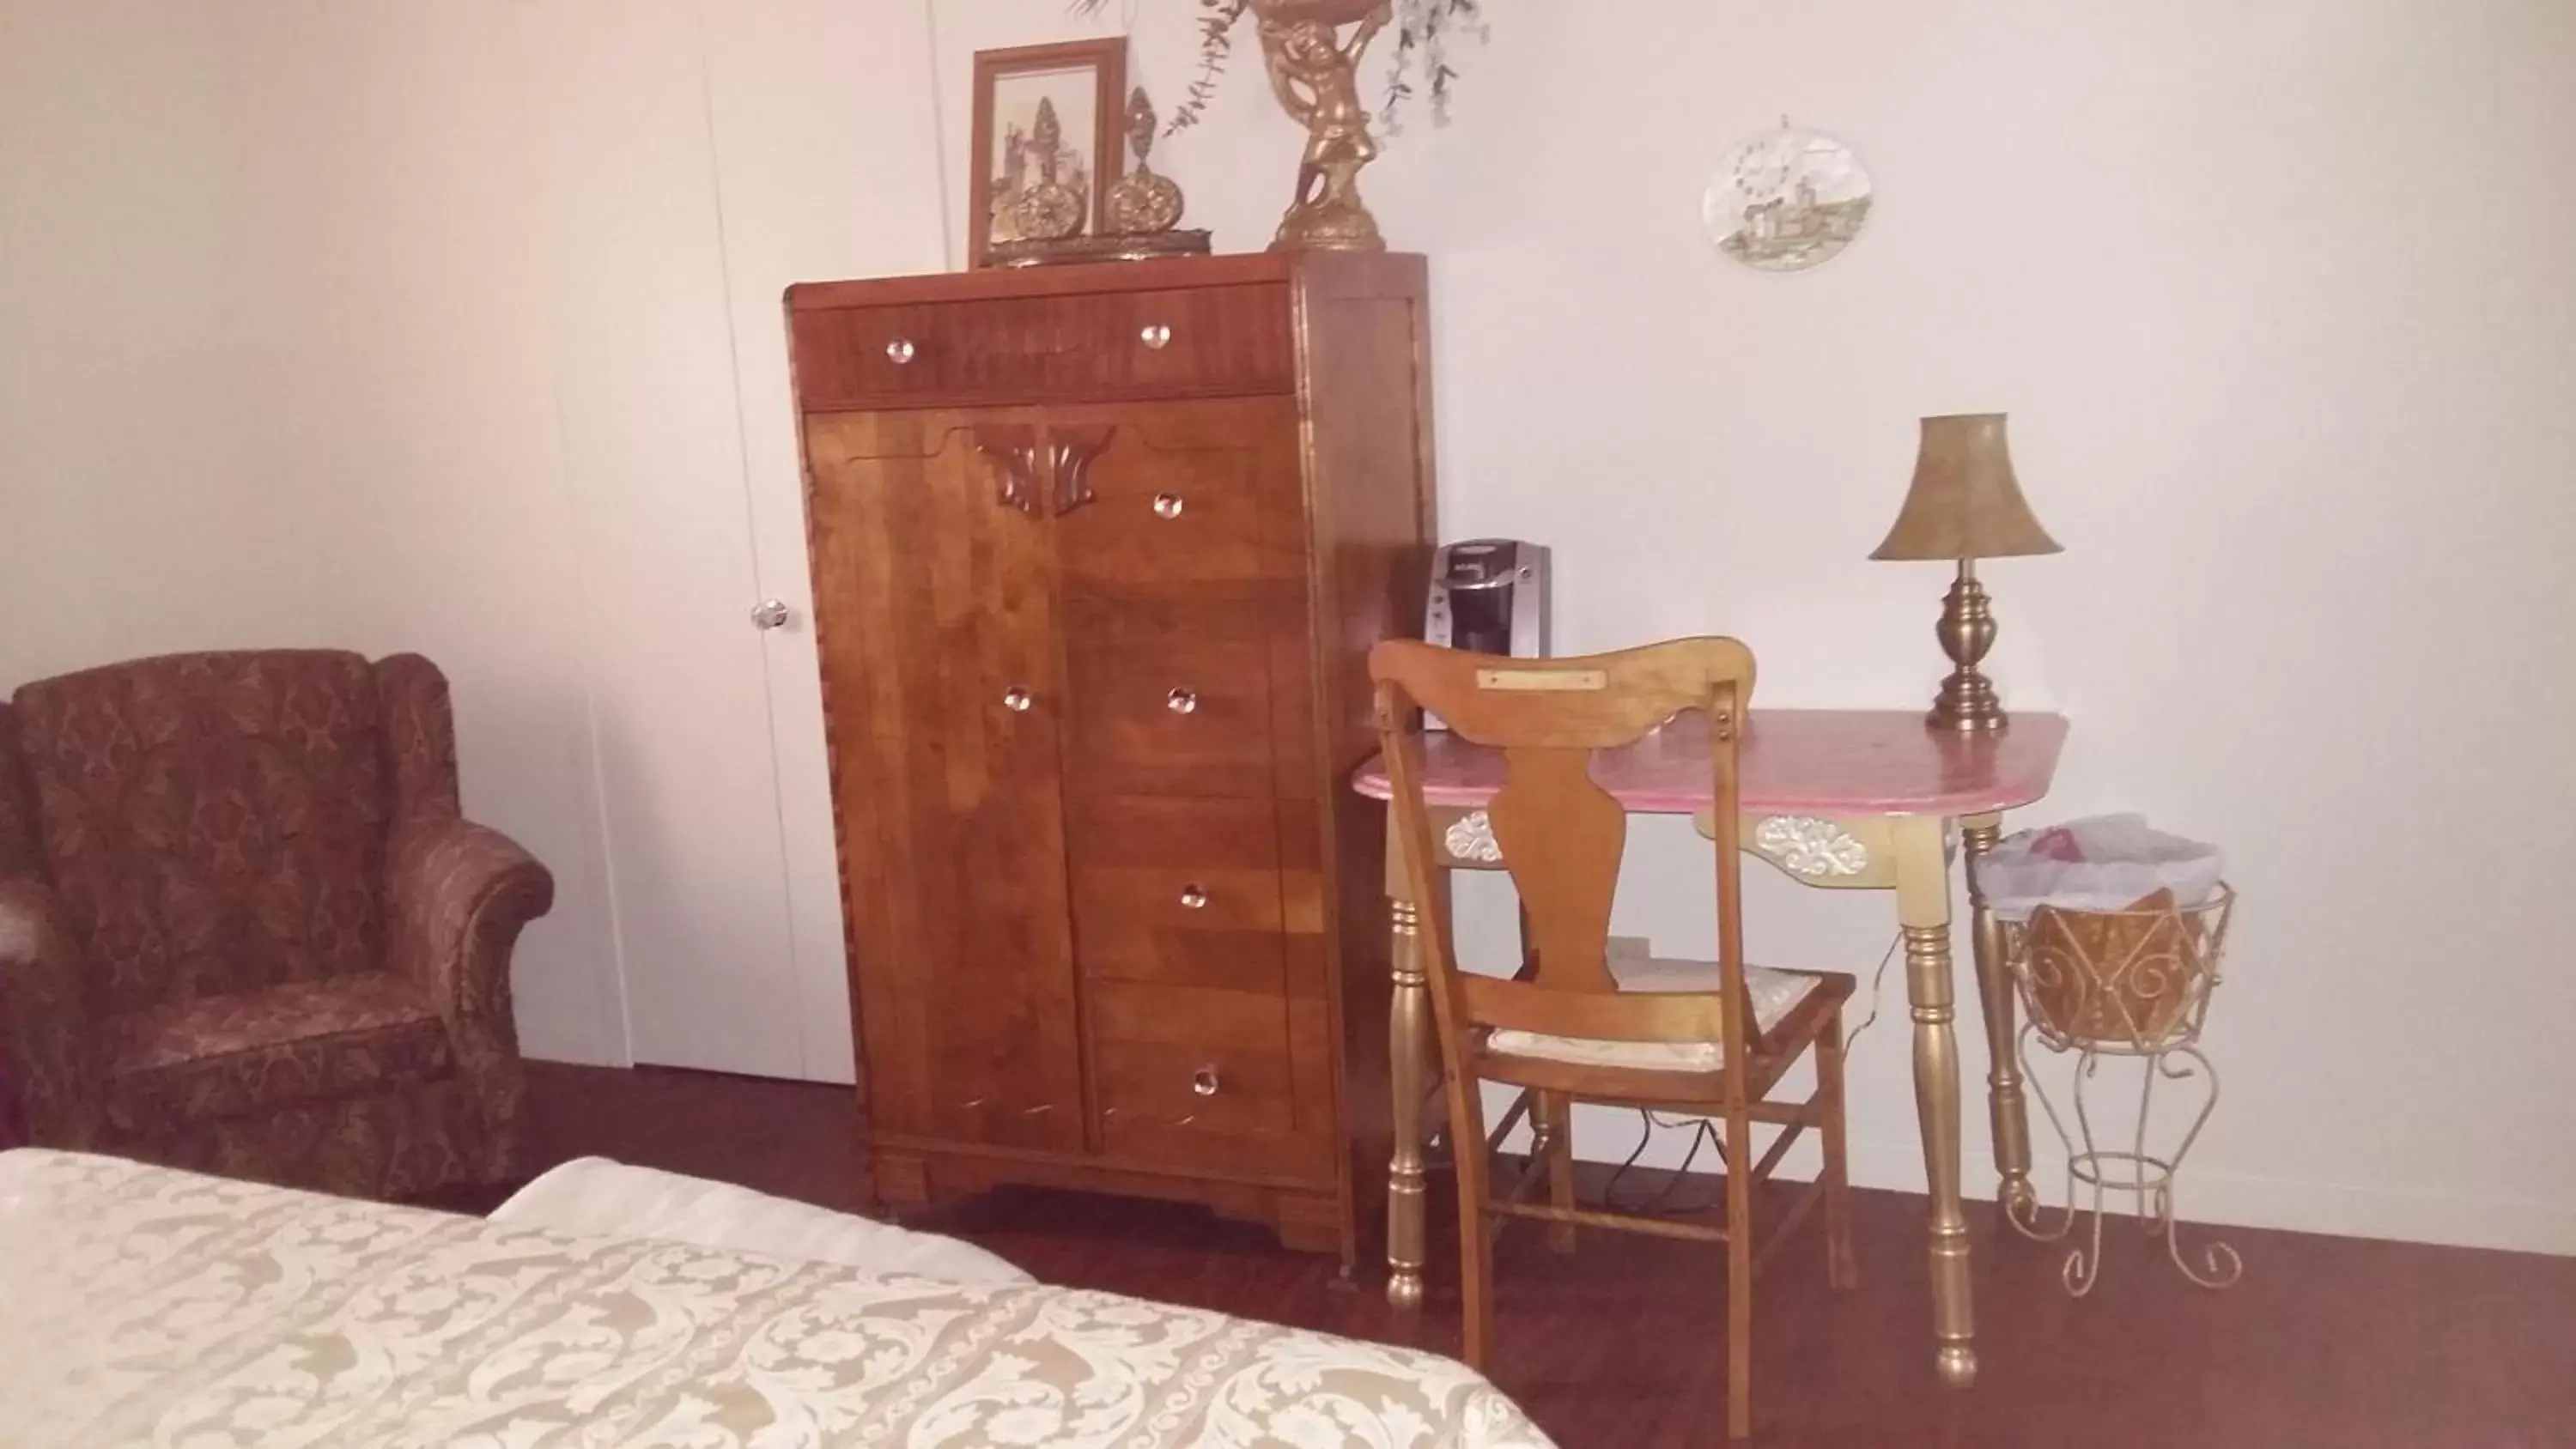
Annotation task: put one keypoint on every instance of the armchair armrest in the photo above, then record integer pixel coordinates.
(44, 1016)
(460, 895)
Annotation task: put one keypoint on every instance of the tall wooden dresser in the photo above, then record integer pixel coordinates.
(1098, 555)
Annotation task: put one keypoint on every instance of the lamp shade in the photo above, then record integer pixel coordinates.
(1965, 502)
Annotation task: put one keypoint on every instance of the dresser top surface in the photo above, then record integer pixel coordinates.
(1333, 272)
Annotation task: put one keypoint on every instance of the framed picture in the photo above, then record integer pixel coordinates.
(1048, 140)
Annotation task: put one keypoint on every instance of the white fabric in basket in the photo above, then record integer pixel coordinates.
(2100, 863)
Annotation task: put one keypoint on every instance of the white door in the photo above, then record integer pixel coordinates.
(700, 156)
(827, 166)
(647, 408)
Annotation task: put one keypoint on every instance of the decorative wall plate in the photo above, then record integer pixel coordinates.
(1786, 200)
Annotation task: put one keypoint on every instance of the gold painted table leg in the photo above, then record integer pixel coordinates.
(2006, 1110)
(1408, 1027)
(1923, 906)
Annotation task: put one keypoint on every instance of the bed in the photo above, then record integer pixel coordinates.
(143, 1306)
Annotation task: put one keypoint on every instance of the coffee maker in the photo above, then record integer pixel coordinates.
(1488, 596)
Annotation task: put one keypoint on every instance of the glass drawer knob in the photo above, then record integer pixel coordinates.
(1204, 1082)
(1017, 701)
(1156, 336)
(900, 352)
(1168, 505)
(1194, 897)
(1182, 701)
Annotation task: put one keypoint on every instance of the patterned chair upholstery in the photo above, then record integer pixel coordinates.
(12, 1132)
(245, 928)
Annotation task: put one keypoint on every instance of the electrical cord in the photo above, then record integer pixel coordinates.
(1877, 979)
(1661, 1202)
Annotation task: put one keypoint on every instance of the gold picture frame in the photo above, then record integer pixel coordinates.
(1041, 113)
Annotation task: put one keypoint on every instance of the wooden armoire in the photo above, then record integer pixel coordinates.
(1098, 553)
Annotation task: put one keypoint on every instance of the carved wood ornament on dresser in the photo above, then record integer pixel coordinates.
(1099, 553)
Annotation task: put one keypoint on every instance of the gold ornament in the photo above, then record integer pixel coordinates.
(1142, 202)
(1313, 72)
(1045, 209)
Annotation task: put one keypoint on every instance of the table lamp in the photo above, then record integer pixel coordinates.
(1966, 505)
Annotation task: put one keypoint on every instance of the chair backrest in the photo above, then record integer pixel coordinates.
(1561, 834)
(213, 823)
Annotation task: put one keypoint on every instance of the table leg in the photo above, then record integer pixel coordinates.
(2005, 1108)
(1407, 1028)
(1923, 907)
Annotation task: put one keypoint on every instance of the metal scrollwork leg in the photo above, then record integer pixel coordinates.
(2024, 1213)
(2222, 1266)
(2135, 1170)
(2084, 1265)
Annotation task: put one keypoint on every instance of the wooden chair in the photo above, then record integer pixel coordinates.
(1707, 1039)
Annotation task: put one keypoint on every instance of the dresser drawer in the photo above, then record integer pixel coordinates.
(1177, 508)
(1178, 890)
(1195, 1076)
(1180, 342)
(1169, 697)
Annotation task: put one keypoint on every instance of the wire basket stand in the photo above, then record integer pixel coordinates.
(2135, 984)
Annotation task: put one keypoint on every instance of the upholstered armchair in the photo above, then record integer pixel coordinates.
(245, 928)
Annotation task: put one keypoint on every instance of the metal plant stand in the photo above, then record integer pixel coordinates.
(2120, 984)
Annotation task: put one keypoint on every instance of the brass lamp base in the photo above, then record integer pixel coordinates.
(1967, 701)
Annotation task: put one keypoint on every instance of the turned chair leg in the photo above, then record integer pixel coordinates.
(1475, 1225)
(1556, 1120)
(1842, 1268)
(1739, 1276)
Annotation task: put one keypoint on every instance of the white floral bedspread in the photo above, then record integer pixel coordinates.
(140, 1306)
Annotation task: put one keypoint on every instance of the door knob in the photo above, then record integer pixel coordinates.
(1155, 335)
(1168, 505)
(770, 614)
(1194, 897)
(1204, 1082)
(1182, 701)
(1017, 701)
(900, 352)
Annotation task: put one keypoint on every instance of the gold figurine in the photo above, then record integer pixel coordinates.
(1137, 220)
(1315, 76)
(1046, 209)
(1141, 201)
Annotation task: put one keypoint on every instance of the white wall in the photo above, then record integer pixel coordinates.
(2278, 296)
(2281, 299)
(273, 371)
(418, 319)
(419, 310)
(114, 294)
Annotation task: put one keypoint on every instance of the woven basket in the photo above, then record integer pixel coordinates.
(2135, 979)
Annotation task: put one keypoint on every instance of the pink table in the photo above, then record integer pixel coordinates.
(1842, 799)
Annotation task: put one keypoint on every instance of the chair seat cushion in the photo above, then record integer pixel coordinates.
(1775, 994)
(308, 1041)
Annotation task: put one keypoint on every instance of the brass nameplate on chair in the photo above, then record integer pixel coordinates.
(1544, 681)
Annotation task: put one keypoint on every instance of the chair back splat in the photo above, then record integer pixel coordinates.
(1561, 835)
(1695, 1037)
